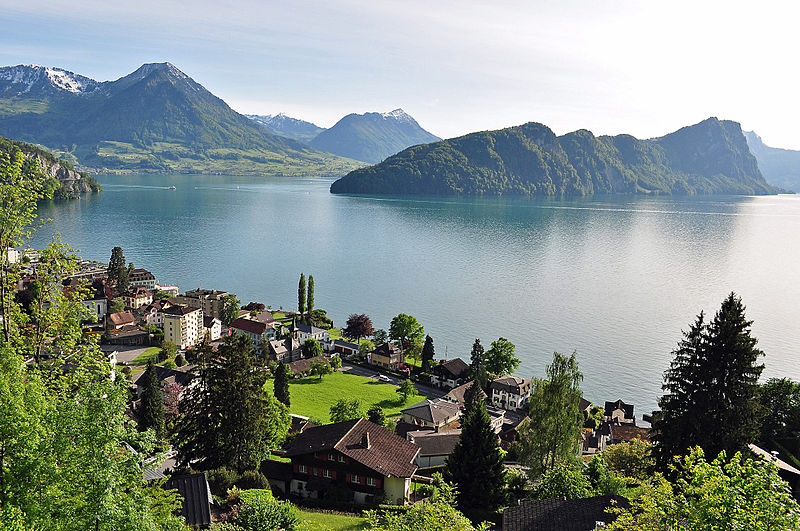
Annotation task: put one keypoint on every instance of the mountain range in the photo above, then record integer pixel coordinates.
(709, 157)
(283, 125)
(154, 119)
(781, 167)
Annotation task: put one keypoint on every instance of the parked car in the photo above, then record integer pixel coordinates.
(384, 378)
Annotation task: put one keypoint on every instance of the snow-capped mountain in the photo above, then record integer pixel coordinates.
(372, 136)
(37, 80)
(284, 125)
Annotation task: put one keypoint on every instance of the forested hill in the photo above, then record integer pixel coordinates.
(65, 181)
(706, 158)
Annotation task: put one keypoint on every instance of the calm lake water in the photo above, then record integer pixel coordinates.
(616, 279)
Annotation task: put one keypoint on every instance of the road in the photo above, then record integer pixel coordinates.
(425, 390)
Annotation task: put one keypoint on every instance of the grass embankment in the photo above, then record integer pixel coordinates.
(314, 521)
(313, 397)
(145, 356)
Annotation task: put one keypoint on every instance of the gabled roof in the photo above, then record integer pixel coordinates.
(386, 453)
(558, 514)
(248, 325)
(619, 404)
(432, 443)
(436, 410)
(179, 310)
(304, 365)
(307, 329)
(453, 369)
(786, 467)
(122, 318)
(583, 404)
(457, 394)
(629, 432)
(196, 504)
(512, 384)
(208, 321)
(137, 291)
(182, 377)
(386, 350)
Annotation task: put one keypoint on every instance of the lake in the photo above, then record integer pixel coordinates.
(614, 278)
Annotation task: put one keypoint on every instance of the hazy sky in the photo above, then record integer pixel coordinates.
(613, 66)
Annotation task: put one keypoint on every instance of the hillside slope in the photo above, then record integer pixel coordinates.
(781, 167)
(709, 157)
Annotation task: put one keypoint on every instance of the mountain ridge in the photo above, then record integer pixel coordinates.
(530, 159)
(781, 167)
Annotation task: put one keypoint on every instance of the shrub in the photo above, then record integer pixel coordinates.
(260, 511)
(252, 479)
(179, 361)
(170, 365)
(221, 479)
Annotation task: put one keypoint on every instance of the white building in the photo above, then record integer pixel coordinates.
(183, 325)
(511, 392)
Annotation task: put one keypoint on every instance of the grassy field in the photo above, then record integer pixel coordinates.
(313, 397)
(142, 358)
(314, 521)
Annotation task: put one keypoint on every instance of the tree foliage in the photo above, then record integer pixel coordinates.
(229, 311)
(301, 295)
(358, 325)
(310, 298)
(501, 357)
(478, 364)
(552, 432)
(406, 389)
(228, 419)
(376, 415)
(780, 401)
(311, 348)
(428, 354)
(405, 329)
(564, 480)
(117, 270)
(152, 409)
(711, 388)
(631, 459)
(346, 409)
(281, 385)
(320, 367)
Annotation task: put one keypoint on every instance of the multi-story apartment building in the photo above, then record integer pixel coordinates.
(183, 325)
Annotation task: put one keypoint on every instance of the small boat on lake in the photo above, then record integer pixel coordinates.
(171, 188)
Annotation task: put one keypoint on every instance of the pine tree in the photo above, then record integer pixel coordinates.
(475, 466)
(310, 299)
(427, 354)
(301, 295)
(478, 364)
(281, 384)
(711, 397)
(152, 401)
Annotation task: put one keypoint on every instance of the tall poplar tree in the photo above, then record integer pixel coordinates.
(152, 401)
(310, 299)
(711, 397)
(475, 466)
(281, 384)
(428, 354)
(301, 295)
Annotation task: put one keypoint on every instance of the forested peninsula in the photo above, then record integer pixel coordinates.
(711, 157)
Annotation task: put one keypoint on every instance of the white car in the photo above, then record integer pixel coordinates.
(384, 378)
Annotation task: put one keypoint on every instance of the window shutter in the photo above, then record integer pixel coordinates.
(296, 467)
(379, 483)
(347, 478)
(323, 456)
(363, 480)
(333, 474)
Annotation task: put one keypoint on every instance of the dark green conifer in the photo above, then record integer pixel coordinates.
(478, 364)
(152, 408)
(281, 384)
(427, 354)
(301, 295)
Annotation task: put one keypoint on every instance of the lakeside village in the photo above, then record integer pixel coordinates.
(373, 416)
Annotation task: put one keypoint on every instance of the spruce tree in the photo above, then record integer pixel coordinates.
(152, 401)
(428, 354)
(301, 295)
(711, 397)
(281, 384)
(310, 299)
(117, 271)
(478, 364)
(475, 466)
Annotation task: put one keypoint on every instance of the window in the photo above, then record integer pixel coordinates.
(303, 469)
(331, 457)
(326, 473)
(354, 478)
(371, 482)
(341, 459)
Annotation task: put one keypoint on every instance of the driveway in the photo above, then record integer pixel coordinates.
(125, 354)
(425, 390)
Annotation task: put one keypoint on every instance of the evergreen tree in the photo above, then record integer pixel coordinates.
(376, 415)
(427, 354)
(301, 295)
(310, 299)
(281, 384)
(478, 364)
(475, 466)
(552, 432)
(117, 272)
(229, 420)
(152, 401)
(711, 397)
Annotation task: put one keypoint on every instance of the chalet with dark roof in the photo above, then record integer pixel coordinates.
(434, 446)
(435, 413)
(304, 332)
(355, 457)
(627, 432)
(558, 514)
(620, 411)
(511, 392)
(451, 373)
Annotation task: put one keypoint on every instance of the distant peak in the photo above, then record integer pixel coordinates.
(148, 68)
(397, 113)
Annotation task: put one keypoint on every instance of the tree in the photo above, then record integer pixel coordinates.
(311, 348)
(336, 362)
(565, 480)
(116, 306)
(168, 349)
(406, 389)
(228, 419)
(478, 364)
(310, 299)
(405, 329)
(358, 325)
(740, 493)
(780, 401)
(501, 358)
(152, 401)
(172, 397)
(711, 388)
(380, 336)
(117, 272)
(632, 459)
(428, 354)
(346, 409)
(552, 432)
(376, 415)
(301, 295)
(475, 466)
(229, 310)
(281, 384)
(320, 368)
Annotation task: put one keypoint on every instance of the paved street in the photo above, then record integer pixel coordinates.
(425, 390)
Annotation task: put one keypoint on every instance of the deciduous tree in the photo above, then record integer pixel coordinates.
(501, 357)
(311, 348)
(346, 409)
(405, 329)
(376, 415)
(358, 325)
(230, 309)
(406, 389)
(320, 367)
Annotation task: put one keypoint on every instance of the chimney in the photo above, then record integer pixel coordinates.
(365, 440)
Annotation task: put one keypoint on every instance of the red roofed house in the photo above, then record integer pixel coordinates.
(355, 457)
(258, 331)
(118, 320)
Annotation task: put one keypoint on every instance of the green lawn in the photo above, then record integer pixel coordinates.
(313, 397)
(142, 358)
(314, 521)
